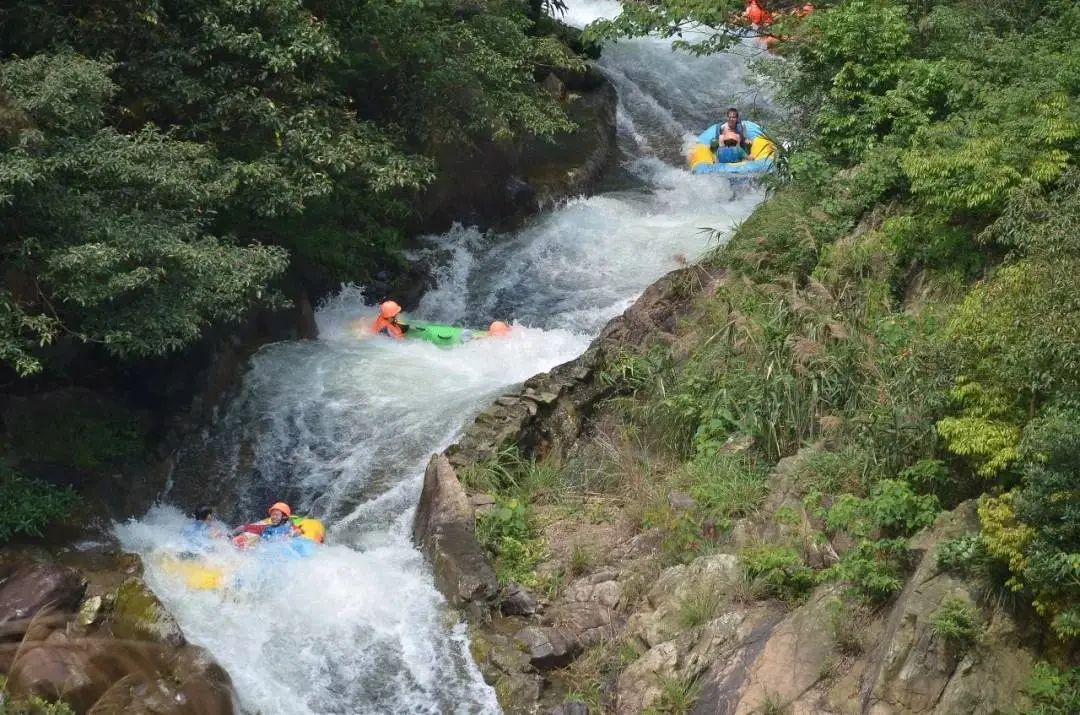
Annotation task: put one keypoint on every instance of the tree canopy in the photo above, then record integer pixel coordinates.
(159, 160)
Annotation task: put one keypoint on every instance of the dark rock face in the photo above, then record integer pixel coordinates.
(115, 651)
(444, 530)
(518, 601)
(495, 185)
(31, 588)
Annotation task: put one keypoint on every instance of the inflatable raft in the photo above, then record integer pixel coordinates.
(449, 335)
(702, 160)
(207, 570)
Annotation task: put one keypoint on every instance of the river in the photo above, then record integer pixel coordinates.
(342, 427)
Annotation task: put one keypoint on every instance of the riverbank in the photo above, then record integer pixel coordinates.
(619, 537)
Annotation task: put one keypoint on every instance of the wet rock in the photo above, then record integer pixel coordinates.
(548, 648)
(518, 601)
(28, 589)
(138, 614)
(89, 611)
(444, 529)
(100, 676)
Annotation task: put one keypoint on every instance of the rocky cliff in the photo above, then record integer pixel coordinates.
(614, 625)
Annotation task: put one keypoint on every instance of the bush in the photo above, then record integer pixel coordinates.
(873, 570)
(31, 505)
(777, 571)
(506, 531)
(956, 621)
(727, 486)
(892, 509)
(1054, 691)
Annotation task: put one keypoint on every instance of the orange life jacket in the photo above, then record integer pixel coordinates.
(383, 325)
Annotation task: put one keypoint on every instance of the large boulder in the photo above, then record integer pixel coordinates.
(138, 614)
(28, 589)
(96, 675)
(445, 531)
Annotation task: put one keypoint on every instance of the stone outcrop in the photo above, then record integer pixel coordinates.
(494, 184)
(100, 641)
(444, 529)
(550, 409)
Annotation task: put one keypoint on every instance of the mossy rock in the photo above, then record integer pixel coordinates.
(139, 615)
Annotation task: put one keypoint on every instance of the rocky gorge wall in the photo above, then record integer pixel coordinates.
(655, 637)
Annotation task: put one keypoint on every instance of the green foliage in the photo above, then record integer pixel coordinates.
(699, 607)
(892, 509)
(31, 505)
(677, 695)
(149, 152)
(962, 554)
(1053, 691)
(507, 533)
(633, 371)
(34, 706)
(777, 571)
(510, 473)
(873, 570)
(1048, 504)
(956, 621)
(727, 487)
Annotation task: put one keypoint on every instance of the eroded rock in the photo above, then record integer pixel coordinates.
(445, 531)
(28, 589)
(138, 614)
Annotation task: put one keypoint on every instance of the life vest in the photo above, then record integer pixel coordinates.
(757, 14)
(381, 324)
(727, 133)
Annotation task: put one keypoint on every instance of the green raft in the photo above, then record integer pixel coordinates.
(441, 335)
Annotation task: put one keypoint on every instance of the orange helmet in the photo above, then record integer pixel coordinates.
(498, 328)
(389, 309)
(282, 507)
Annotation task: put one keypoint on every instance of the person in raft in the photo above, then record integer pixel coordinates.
(204, 527)
(387, 322)
(730, 141)
(278, 526)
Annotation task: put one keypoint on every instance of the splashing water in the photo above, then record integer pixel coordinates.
(342, 427)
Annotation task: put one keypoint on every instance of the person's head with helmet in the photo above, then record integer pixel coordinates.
(279, 512)
(498, 328)
(387, 322)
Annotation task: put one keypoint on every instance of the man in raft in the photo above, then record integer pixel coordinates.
(731, 135)
(278, 526)
(387, 323)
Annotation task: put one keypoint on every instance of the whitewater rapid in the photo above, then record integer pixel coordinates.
(342, 427)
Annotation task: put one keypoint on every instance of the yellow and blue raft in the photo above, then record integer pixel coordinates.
(702, 159)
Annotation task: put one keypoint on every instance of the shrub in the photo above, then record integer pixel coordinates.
(507, 533)
(727, 486)
(31, 505)
(962, 554)
(1054, 691)
(956, 621)
(777, 571)
(873, 569)
(892, 509)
